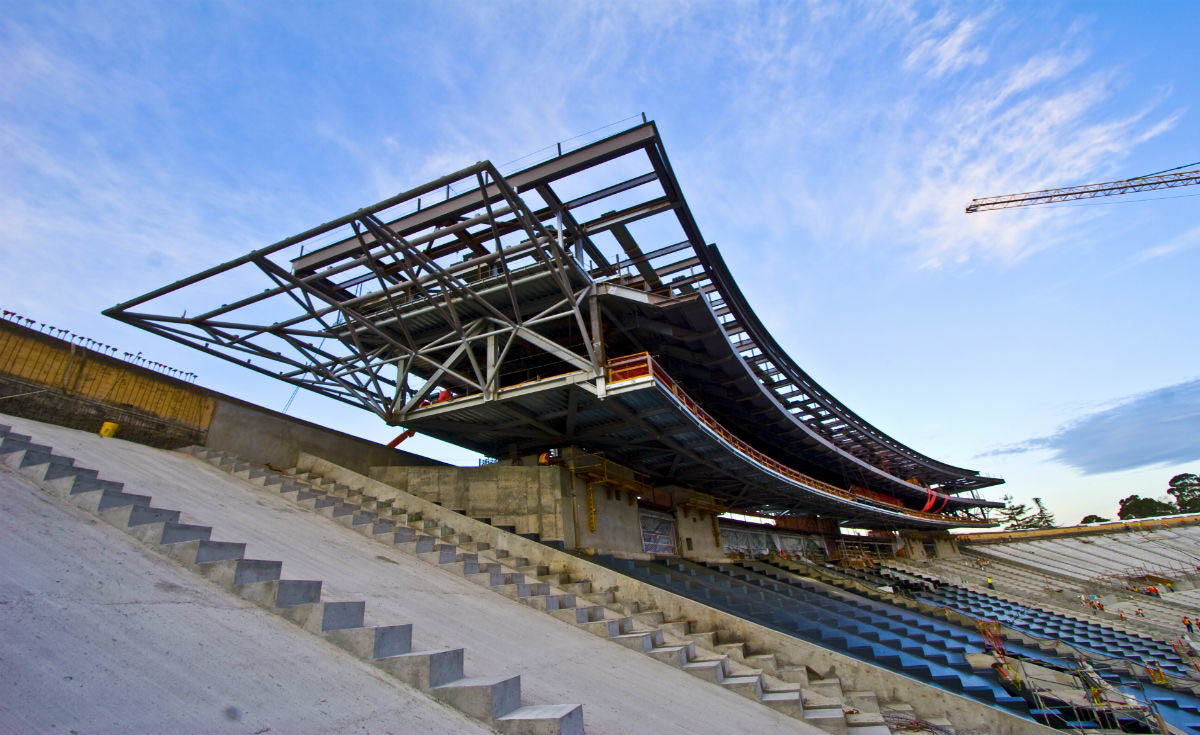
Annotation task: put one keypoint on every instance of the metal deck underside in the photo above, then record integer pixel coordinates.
(640, 423)
(479, 282)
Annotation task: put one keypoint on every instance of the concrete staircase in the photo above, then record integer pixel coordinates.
(494, 700)
(790, 690)
(572, 601)
(750, 593)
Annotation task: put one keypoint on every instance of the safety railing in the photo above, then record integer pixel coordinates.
(95, 346)
(641, 365)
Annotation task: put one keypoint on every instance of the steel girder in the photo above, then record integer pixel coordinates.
(476, 280)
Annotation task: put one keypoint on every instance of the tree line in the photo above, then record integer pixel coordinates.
(1183, 496)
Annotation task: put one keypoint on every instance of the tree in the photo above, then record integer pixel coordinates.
(1136, 506)
(1040, 518)
(1012, 516)
(1185, 489)
(1093, 518)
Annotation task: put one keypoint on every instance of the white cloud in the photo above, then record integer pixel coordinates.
(945, 47)
(882, 143)
(1182, 241)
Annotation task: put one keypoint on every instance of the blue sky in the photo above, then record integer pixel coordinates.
(827, 148)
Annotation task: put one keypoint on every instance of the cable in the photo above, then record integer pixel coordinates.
(1156, 173)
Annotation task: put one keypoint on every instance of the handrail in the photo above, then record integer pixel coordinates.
(641, 365)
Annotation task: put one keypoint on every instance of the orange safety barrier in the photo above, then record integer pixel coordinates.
(628, 368)
(641, 365)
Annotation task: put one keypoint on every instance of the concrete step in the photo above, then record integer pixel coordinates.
(231, 572)
(603, 628)
(764, 661)
(282, 592)
(484, 698)
(831, 688)
(579, 615)
(95, 500)
(677, 628)
(714, 670)
(318, 617)
(863, 701)
(369, 644)
(438, 543)
(673, 655)
(424, 670)
(551, 602)
(786, 703)
(495, 701)
(642, 642)
(706, 639)
(519, 590)
(542, 719)
(127, 516)
(650, 618)
(202, 551)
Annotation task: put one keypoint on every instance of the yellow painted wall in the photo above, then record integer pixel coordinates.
(1140, 524)
(77, 371)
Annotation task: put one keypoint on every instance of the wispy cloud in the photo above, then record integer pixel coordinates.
(945, 45)
(1159, 427)
(873, 130)
(1183, 241)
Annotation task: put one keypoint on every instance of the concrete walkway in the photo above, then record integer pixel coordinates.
(99, 635)
(622, 691)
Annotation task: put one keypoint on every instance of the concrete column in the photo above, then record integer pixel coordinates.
(945, 545)
(914, 546)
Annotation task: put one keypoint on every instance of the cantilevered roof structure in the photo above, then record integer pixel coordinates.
(570, 303)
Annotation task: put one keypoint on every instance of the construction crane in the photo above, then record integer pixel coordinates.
(1159, 180)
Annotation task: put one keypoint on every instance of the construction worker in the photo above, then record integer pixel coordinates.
(1187, 623)
(991, 586)
(1140, 614)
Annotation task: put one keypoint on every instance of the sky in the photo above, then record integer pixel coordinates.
(829, 150)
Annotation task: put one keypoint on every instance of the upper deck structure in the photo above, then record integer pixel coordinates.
(485, 309)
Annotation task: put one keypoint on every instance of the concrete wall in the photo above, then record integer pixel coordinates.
(697, 526)
(546, 500)
(945, 545)
(531, 498)
(49, 379)
(914, 546)
(928, 701)
(261, 435)
(552, 502)
(53, 380)
(618, 526)
(1038, 534)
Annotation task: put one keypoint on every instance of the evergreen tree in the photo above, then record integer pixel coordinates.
(1135, 506)
(1041, 518)
(1093, 518)
(1013, 515)
(1185, 489)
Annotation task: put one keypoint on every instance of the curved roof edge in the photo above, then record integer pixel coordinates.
(750, 322)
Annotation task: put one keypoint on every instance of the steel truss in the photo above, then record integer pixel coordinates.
(479, 283)
(389, 368)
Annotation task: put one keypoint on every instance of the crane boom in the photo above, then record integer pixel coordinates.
(1087, 191)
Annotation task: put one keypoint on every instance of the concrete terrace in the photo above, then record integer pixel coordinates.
(149, 646)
